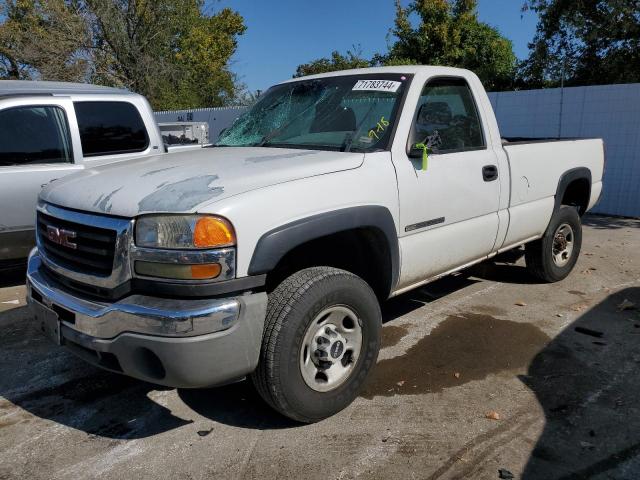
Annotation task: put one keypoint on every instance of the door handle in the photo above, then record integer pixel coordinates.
(489, 173)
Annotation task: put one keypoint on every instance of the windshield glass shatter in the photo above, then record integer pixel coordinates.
(354, 112)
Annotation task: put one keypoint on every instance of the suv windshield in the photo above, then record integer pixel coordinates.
(355, 112)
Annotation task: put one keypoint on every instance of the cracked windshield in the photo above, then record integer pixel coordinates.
(343, 113)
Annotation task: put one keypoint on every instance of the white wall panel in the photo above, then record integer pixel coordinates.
(611, 112)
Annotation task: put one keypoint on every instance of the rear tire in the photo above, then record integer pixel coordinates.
(295, 343)
(553, 257)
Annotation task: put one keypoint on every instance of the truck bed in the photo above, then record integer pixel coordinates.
(535, 167)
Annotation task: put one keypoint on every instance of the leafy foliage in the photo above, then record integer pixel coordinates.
(352, 59)
(42, 39)
(168, 50)
(448, 32)
(586, 42)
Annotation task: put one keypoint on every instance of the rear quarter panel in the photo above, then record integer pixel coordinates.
(536, 169)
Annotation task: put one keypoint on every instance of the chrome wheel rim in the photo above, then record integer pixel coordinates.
(563, 241)
(330, 348)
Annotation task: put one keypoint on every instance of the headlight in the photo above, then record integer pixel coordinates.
(184, 232)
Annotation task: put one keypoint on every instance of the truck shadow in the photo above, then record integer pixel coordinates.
(587, 381)
(587, 386)
(50, 383)
(602, 222)
(503, 269)
(415, 299)
(12, 275)
(239, 404)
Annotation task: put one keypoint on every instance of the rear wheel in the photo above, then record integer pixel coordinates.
(553, 257)
(322, 336)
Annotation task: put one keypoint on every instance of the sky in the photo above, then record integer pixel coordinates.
(282, 34)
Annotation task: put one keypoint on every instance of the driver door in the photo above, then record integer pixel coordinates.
(448, 202)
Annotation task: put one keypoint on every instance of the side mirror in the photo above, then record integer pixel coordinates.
(420, 150)
(414, 151)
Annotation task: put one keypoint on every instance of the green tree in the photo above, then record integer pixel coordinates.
(171, 51)
(436, 32)
(352, 59)
(448, 32)
(43, 39)
(584, 43)
(167, 50)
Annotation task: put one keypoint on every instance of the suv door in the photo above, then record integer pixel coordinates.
(37, 146)
(448, 201)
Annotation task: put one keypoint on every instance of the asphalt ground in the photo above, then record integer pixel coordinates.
(482, 371)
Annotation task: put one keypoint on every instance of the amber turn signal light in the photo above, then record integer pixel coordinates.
(213, 232)
(205, 271)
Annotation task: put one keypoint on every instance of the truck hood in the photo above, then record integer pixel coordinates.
(183, 182)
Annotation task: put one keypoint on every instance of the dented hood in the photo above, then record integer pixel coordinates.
(181, 182)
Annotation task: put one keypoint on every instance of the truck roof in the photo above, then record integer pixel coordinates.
(407, 69)
(30, 87)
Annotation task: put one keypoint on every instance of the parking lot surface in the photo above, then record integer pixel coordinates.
(481, 372)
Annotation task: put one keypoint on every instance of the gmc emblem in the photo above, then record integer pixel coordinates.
(61, 237)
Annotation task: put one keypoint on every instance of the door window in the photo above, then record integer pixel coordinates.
(447, 118)
(34, 135)
(108, 128)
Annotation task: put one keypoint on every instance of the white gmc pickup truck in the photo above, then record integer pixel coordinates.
(267, 254)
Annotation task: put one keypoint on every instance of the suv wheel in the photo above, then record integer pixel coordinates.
(553, 256)
(322, 336)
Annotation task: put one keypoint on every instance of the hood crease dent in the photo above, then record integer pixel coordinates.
(182, 182)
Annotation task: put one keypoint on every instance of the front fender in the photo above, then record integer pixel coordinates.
(276, 243)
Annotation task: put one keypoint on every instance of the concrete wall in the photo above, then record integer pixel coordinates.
(611, 112)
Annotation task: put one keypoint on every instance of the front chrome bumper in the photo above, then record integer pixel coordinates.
(174, 342)
(135, 313)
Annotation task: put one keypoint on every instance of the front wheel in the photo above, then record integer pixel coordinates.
(322, 336)
(553, 257)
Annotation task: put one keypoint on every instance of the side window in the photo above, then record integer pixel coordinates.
(108, 128)
(33, 135)
(447, 118)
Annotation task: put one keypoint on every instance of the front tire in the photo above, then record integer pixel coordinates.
(553, 257)
(321, 339)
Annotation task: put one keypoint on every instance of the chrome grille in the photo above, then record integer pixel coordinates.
(91, 251)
